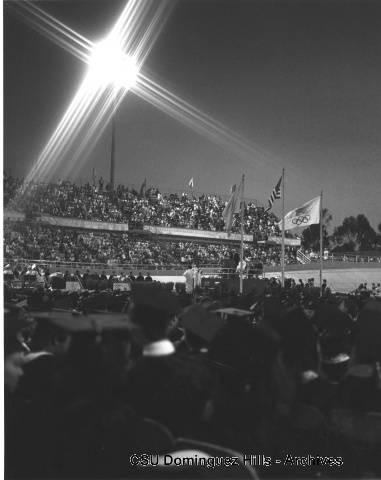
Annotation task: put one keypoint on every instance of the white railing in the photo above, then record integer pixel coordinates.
(351, 257)
(339, 257)
(72, 267)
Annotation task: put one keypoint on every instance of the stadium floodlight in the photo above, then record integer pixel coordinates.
(116, 62)
(109, 65)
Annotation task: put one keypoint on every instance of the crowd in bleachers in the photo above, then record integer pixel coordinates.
(281, 373)
(37, 241)
(125, 205)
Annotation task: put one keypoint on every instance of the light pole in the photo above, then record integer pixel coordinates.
(110, 66)
(112, 160)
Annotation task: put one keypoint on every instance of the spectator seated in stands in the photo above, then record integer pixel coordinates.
(37, 241)
(122, 205)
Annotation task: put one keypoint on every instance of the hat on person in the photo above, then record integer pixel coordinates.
(368, 338)
(151, 295)
(299, 339)
(16, 319)
(234, 312)
(201, 322)
(361, 371)
(77, 323)
(311, 301)
(273, 309)
(331, 318)
(336, 359)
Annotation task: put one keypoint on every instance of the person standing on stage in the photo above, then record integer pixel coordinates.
(192, 278)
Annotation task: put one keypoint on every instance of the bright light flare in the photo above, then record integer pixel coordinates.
(109, 65)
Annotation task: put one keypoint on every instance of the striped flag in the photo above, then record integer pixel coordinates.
(233, 206)
(275, 194)
(191, 183)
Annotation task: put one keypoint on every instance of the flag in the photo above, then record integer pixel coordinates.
(232, 207)
(306, 215)
(191, 183)
(275, 194)
(143, 187)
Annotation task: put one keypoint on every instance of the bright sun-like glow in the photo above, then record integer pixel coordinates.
(109, 65)
(116, 62)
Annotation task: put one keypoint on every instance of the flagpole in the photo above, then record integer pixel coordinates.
(321, 242)
(282, 255)
(241, 254)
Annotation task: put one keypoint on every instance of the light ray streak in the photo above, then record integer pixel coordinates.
(55, 23)
(83, 108)
(197, 120)
(158, 95)
(153, 30)
(151, 91)
(98, 126)
(86, 100)
(53, 29)
(125, 27)
(181, 110)
(64, 135)
(150, 19)
(128, 28)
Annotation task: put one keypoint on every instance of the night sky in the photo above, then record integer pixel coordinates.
(300, 80)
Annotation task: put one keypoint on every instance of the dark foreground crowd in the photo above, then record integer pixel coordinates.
(280, 374)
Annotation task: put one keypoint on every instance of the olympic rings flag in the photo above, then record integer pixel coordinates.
(306, 215)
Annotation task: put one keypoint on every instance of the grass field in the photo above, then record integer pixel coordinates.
(338, 279)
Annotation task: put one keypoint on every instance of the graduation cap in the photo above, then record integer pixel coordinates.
(201, 322)
(233, 312)
(16, 319)
(311, 302)
(368, 338)
(153, 296)
(298, 339)
(76, 323)
(331, 318)
(361, 371)
(373, 305)
(273, 308)
(339, 358)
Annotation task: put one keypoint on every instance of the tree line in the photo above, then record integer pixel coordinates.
(355, 234)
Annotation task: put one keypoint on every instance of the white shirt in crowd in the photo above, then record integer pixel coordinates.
(244, 265)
